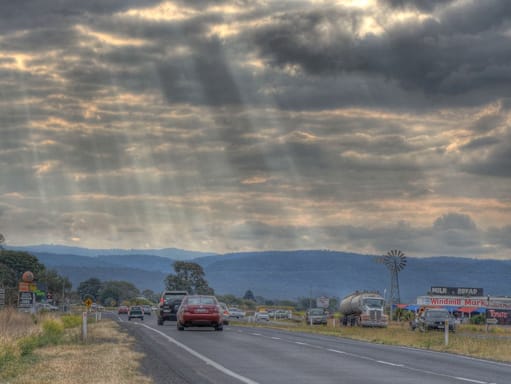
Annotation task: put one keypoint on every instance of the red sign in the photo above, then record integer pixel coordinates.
(24, 287)
(27, 287)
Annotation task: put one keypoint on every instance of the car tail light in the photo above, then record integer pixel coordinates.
(161, 300)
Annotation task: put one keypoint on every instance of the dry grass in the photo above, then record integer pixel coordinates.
(106, 358)
(14, 325)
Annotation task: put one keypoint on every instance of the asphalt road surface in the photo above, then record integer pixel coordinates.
(257, 355)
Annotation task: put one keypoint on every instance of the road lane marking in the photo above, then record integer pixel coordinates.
(471, 380)
(300, 343)
(389, 363)
(205, 359)
(256, 334)
(276, 338)
(336, 351)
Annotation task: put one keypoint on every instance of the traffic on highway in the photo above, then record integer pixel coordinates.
(255, 354)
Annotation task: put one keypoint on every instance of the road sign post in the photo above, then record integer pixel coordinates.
(446, 332)
(84, 326)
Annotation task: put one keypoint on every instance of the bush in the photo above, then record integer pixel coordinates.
(71, 321)
(52, 333)
(53, 330)
(479, 319)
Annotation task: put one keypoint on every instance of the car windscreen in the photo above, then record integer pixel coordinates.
(373, 303)
(437, 315)
(174, 297)
(201, 300)
(317, 312)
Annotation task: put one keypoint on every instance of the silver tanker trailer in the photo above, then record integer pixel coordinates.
(365, 309)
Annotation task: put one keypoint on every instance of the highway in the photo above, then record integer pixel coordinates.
(255, 355)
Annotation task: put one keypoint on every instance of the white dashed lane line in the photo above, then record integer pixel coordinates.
(391, 364)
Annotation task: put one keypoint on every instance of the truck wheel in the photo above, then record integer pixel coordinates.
(219, 328)
(180, 327)
(160, 321)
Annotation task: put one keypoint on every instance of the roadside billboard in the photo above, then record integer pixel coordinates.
(503, 316)
(26, 300)
(322, 302)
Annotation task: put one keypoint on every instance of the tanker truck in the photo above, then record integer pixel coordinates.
(365, 309)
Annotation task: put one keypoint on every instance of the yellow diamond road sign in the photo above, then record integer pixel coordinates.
(88, 303)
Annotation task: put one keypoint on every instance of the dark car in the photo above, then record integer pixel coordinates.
(200, 311)
(434, 318)
(316, 316)
(136, 312)
(169, 304)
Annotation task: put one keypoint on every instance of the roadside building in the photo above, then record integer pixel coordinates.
(466, 302)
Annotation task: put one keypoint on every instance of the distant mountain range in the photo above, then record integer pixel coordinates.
(278, 274)
(172, 253)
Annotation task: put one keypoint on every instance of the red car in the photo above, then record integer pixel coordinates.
(123, 309)
(199, 311)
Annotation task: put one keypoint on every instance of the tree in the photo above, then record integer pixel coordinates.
(150, 295)
(55, 284)
(115, 292)
(188, 277)
(12, 266)
(249, 295)
(19, 262)
(90, 287)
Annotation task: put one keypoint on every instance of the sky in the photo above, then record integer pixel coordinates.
(252, 125)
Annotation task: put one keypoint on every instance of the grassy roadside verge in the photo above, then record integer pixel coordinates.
(468, 340)
(48, 349)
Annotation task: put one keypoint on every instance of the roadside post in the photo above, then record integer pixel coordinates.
(84, 326)
(88, 303)
(490, 321)
(446, 332)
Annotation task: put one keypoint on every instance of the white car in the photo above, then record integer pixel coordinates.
(236, 313)
(263, 315)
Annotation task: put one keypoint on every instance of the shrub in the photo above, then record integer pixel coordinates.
(71, 321)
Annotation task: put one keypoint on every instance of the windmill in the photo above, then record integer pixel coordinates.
(395, 261)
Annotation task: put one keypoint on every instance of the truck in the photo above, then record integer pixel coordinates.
(364, 309)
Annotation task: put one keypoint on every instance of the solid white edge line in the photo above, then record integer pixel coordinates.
(207, 360)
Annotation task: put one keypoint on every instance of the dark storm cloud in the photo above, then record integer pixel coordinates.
(454, 221)
(500, 236)
(457, 237)
(426, 5)
(33, 14)
(481, 143)
(496, 162)
(459, 56)
(40, 40)
(238, 138)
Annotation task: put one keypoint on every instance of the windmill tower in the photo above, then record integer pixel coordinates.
(395, 261)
